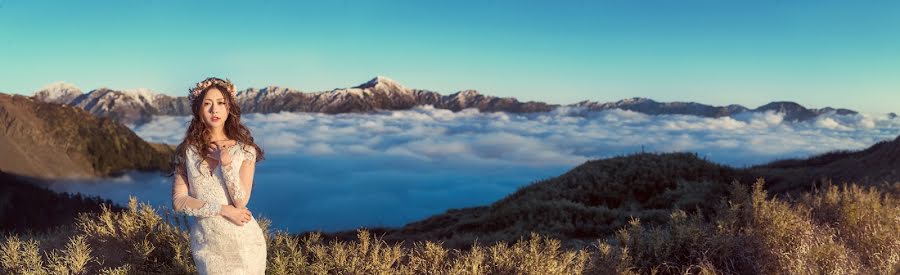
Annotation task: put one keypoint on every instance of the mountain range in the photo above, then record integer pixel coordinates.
(380, 93)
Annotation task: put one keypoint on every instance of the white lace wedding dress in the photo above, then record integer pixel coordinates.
(218, 245)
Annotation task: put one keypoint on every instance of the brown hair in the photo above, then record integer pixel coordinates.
(198, 133)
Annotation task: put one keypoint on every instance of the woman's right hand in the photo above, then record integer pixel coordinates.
(237, 216)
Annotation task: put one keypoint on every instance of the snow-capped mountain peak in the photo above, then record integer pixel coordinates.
(634, 100)
(272, 91)
(464, 97)
(59, 92)
(384, 84)
(145, 93)
(267, 93)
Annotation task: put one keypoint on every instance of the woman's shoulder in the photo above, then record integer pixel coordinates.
(248, 150)
(191, 149)
(185, 147)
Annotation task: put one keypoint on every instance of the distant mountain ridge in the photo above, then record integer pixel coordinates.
(379, 93)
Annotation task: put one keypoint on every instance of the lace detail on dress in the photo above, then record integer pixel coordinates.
(250, 153)
(208, 210)
(233, 182)
(203, 167)
(232, 176)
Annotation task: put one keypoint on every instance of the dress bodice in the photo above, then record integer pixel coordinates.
(207, 186)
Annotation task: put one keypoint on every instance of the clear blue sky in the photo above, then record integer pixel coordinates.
(822, 52)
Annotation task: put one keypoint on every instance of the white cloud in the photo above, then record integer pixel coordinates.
(565, 136)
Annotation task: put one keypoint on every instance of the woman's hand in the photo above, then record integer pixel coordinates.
(218, 151)
(237, 216)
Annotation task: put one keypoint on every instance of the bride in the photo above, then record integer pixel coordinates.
(214, 168)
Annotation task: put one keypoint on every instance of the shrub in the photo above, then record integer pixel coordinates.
(837, 230)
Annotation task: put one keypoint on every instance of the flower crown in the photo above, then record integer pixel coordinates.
(209, 82)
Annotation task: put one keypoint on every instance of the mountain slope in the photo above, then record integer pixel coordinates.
(590, 201)
(49, 140)
(877, 164)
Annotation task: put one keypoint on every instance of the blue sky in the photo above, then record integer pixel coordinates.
(818, 53)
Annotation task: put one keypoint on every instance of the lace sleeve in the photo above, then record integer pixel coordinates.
(233, 182)
(182, 202)
(239, 181)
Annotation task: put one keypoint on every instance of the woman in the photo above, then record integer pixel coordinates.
(214, 168)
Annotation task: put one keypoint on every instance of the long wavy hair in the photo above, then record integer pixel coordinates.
(198, 133)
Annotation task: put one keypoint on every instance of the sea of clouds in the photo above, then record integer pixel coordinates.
(566, 136)
(338, 172)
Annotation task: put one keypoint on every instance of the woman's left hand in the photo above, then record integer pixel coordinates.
(219, 151)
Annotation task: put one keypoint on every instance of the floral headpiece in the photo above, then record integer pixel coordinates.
(209, 82)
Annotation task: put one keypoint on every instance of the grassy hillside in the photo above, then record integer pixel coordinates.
(590, 201)
(837, 230)
(49, 140)
(875, 165)
(25, 207)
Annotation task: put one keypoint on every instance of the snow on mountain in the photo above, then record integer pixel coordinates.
(381, 83)
(58, 92)
(143, 95)
(380, 93)
(378, 85)
(462, 99)
(269, 92)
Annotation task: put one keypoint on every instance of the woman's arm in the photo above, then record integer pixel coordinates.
(182, 202)
(240, 181)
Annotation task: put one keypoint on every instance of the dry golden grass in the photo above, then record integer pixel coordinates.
(838, 230)
(849, 230)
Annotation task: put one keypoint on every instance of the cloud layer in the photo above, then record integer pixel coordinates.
(565, 137)
(336, 172)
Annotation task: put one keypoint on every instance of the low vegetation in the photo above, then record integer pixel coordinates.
(27, 207)
(591, 201)
(845, 229)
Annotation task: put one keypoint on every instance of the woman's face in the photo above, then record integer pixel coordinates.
(214, 109)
